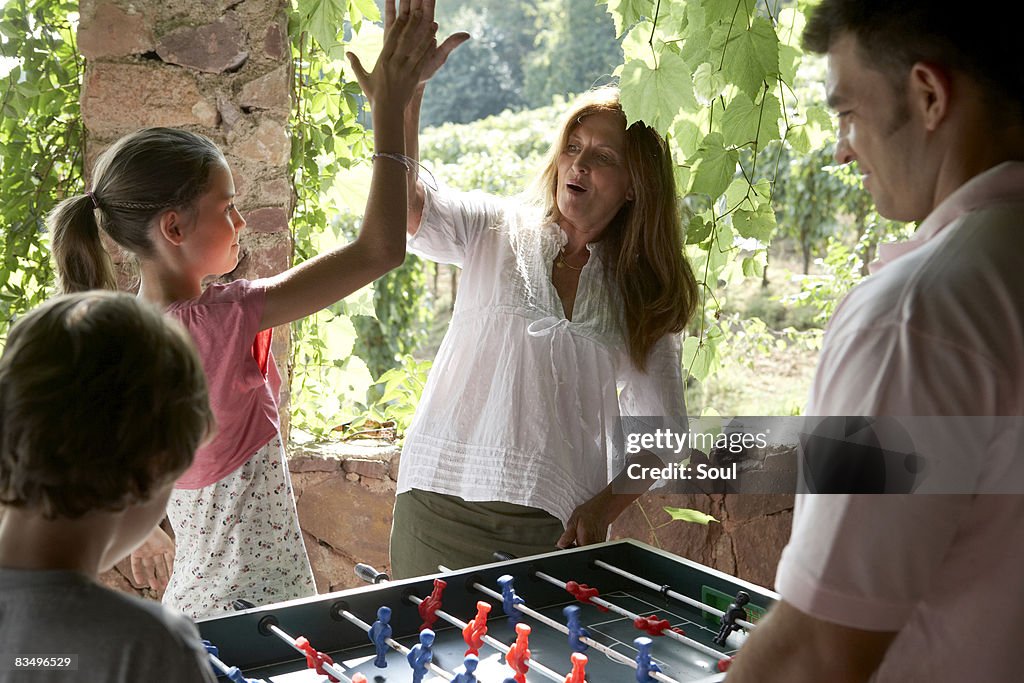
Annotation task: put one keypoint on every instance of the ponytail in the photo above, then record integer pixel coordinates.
(82, 262)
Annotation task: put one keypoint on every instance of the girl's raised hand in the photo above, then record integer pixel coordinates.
(409, 49)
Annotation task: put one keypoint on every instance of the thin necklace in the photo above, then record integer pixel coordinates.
(560, 261)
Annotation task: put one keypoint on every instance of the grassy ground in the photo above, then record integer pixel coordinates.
(767, 373)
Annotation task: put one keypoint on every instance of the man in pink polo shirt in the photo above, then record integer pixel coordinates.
(919, 587)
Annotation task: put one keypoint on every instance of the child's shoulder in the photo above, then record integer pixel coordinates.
(79, 616)
(223, 308)
(234, 292)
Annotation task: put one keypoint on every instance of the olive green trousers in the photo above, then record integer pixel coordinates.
(432, 529)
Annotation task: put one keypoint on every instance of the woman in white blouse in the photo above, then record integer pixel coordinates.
(568, 317)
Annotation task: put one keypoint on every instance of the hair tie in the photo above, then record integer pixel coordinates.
(95, 202)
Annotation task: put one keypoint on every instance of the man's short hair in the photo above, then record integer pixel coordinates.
(102, 400)
(980, 39)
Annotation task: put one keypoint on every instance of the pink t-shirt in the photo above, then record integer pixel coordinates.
(937, 331)
(241, 375)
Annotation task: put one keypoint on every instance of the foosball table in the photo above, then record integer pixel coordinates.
(614, 612)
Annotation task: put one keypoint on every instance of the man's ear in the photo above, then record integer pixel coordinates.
(171, 227)
(930, 87)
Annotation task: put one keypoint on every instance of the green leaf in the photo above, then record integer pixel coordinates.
(698, 359)
(789, 57)
(759, 224)
(745, 122)
(698, 230)
(674, 17)
(625, 13)
(790, 27)
(729, 11)
(637, 43)
(752, 267)
(655, 96)
(688, 515)
(714, 168)
(798, 139)
(323, 19)
(366, 44)
(737, 195)
(686, 134)
(708, 83)
(751, 57)
(812, 133)
(696, 47)
(364, 8)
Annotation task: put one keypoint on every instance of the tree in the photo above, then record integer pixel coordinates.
(806, 201)
(576, 48)
(485, 75)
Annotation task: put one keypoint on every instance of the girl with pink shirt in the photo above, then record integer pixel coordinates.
(167, 197)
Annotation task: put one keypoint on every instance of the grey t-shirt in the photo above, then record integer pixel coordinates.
(118, 638)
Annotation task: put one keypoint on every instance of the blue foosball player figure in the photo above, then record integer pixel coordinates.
(509, 599)
(379, 633)
(464, 674)
(421, 655)
(645, 666)
(572, 616)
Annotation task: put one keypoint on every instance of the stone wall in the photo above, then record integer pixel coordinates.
(344, 494)
(221, 68)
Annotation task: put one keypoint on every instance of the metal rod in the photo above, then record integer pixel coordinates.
(671, 593)
(548, 621)
(611, 607)
(329, 668)
(394, 644)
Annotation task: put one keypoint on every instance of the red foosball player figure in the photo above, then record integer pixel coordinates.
(428, 608)
(583, 593)
(474, 631)
(579, 669)
(654, 626)
(519, 654)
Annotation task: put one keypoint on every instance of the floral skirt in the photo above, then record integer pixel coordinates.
(238, 538)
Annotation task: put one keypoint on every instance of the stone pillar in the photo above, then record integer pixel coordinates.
(222, 68)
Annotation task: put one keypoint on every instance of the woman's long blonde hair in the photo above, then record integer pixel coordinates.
(644, 242)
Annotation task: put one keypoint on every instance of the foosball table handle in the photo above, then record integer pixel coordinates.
(370, 574)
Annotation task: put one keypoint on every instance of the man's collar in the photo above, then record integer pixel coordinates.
(998, 185)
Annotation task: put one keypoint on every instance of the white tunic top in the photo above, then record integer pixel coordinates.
(521, 405)
(938, 331)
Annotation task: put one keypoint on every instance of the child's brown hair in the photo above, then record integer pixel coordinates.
(140, 176)
(102, 400)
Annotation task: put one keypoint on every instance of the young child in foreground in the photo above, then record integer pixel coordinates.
(167, 197)
(102, 406)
